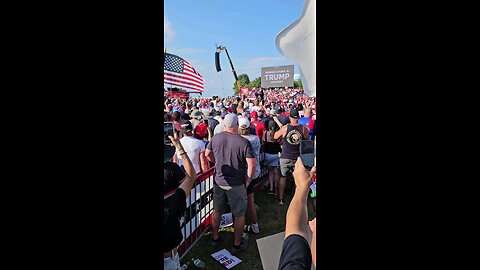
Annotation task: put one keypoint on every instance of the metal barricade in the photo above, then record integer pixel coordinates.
(196, 219)
(197, 216)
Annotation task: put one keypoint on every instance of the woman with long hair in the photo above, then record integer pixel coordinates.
(272, 148)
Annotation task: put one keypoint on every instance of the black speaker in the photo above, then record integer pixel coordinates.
(217, 61)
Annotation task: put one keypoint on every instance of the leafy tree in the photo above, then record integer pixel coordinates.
(298, 84)
(256, 83)
(243, 80)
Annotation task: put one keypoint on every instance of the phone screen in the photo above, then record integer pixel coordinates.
(307, 154)
(167, 131)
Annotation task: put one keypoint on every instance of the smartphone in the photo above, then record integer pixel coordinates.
(307, 153)
(167, 131)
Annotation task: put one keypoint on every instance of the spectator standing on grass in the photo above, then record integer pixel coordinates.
(259, 127)
(244, 131)
(291, 135)
(195, 149)
(296, 252)
(272, 149)
(235, 165)
(176, 187)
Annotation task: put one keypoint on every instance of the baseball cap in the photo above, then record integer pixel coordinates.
(278, 109)
(231, 120)
(294, 113)
(244, 123)
(200, 130)
(224, 112)
(198, 114)
(254, 114)
(212, 113)
(186, 127)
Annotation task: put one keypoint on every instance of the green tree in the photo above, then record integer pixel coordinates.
(298, 84)
(243, 80)
(256, 83)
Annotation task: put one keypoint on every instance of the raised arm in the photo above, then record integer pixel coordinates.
(297, 215)
(186, 185)
(280, 133)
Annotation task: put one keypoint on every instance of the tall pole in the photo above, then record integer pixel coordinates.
(233, 69)
(231, 65)
(164, 55)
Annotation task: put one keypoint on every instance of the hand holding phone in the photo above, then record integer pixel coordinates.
(307, 154)
(168, 130)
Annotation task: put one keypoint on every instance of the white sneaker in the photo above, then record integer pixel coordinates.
(255, 228)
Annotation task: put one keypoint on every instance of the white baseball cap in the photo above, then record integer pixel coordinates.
(244, 123)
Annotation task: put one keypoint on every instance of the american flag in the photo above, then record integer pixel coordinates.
(180, 73)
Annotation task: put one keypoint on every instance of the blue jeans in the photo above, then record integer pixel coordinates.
(172, 263)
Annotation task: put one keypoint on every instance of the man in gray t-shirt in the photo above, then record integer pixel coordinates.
(234, 168)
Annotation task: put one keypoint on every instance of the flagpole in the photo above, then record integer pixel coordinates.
(164, 53)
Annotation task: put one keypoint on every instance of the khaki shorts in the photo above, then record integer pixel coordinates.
(236, 197)
(287, 166)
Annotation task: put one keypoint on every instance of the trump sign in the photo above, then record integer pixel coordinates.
(280, 76)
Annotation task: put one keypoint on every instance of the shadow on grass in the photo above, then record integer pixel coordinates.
(271, 218)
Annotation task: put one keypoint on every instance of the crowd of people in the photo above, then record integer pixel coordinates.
(231, 134)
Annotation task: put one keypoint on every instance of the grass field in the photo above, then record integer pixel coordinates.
(271, 218)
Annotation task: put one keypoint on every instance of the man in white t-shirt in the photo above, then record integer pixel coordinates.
(194, 148)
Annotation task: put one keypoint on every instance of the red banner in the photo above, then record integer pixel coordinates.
(243, 91)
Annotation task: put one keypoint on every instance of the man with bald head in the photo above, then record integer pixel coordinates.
(305, 120)
(235, 164)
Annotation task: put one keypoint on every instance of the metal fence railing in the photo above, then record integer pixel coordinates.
(197, 216)
(196, 219)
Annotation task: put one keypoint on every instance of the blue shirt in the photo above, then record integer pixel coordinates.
(304, 121)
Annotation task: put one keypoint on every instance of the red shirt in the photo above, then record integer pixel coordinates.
(260, 128)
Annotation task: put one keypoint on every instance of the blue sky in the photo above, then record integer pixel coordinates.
(247, 28)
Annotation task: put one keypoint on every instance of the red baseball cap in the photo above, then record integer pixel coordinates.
(254, 114)
(200, 131)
